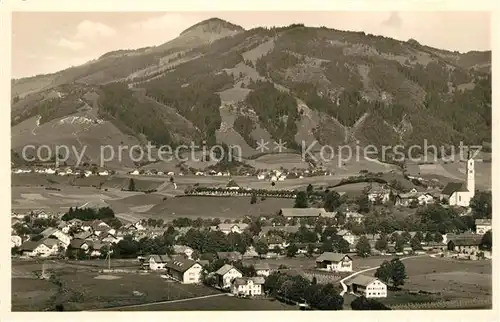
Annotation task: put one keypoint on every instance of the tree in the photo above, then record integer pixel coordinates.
(487, 241)
(382, 243)
(261, 248)
(384, 272)
(332, 201)
(314, 281)
(428, 237)
(406, 236)
(400, 244)
(362, 303)
(301, 200)
(415, 243)
(292, 250)
(398, 275)
(171, 179)
(253, 199)
(363, 248)
(481, 205)
(309, 189)
(131, 185)
(364, 204)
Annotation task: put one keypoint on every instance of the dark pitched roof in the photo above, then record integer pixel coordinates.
(466, 240)
(454, 187)
(483, 222)
(331, 257)
(232, 183)
(181, 265)
(363, 280)
(77, 243)
(29, 245)
(302, 212)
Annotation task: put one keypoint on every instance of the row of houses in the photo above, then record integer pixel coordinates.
(61, 171)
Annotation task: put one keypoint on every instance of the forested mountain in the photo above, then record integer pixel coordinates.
(220, 83)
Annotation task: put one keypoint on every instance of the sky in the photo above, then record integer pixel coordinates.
(64, 39)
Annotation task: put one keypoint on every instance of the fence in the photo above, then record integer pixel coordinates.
(450, 305)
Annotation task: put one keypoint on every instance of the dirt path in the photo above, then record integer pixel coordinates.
(162, 302)
(344, 286)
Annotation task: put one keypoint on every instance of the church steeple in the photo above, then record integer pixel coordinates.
(471, 183)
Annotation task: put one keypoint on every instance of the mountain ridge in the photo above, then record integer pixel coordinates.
(296, 83)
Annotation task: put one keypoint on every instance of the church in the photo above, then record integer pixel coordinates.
(461, 193)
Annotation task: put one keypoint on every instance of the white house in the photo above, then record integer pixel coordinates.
(183, 250)
(348, 236)
(248, 286)
(261, 176)
(379, 195)
(354, 217)
(482, 226)
(334, 262)
(50, 171)
(156, 262)
(185, 271)
(232, 228)
(62, 237)
(42, 248)
(135, 172)
(262, 269)
(232, 185)
(103, 173)
(226, 274)
(368, 286)
(15, 241)
(461, 193)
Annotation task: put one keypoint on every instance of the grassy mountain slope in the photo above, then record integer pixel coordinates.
(218, 83)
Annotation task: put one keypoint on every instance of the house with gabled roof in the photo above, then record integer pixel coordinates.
(262, 269)
(185, 271)
(183, 250)
(78, 243)
(232, 185)
(156, 262)
(226, 274)
(483, 226)
(368, 286)
(336, 262)
(247, 286)
(232, 228)
(464, 243)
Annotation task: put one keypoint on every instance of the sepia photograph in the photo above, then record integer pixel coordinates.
(251, 161)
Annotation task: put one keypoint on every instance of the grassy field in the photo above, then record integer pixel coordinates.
(221, 207)
(86, 290)
(219, 303)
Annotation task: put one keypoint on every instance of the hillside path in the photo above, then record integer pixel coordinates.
(344, 286)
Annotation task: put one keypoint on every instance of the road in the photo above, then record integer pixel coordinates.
(344, 286)
(156, 303)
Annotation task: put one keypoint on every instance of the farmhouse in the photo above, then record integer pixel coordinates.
(464, 243)
(247, 286)
(226, 274)
(302, 212)
(232, 228)
(262, 269)
(79, 244)
(482, 226)
(232, 185)
(461, 193)
(15, 241)
(378, 194)
(185, 271)
(334, 262)
(419, 198)
(41, 248)
(183, 250)
(156, 262)
(368, 286)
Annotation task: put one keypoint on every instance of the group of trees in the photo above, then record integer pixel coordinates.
(105, 214)
(206, 241)
(299, 289)
(393, 272)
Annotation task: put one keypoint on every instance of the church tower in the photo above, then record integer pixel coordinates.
(471, 173)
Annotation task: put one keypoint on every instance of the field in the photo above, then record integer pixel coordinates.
(84, 288)
(221, 207)
(217, 303)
